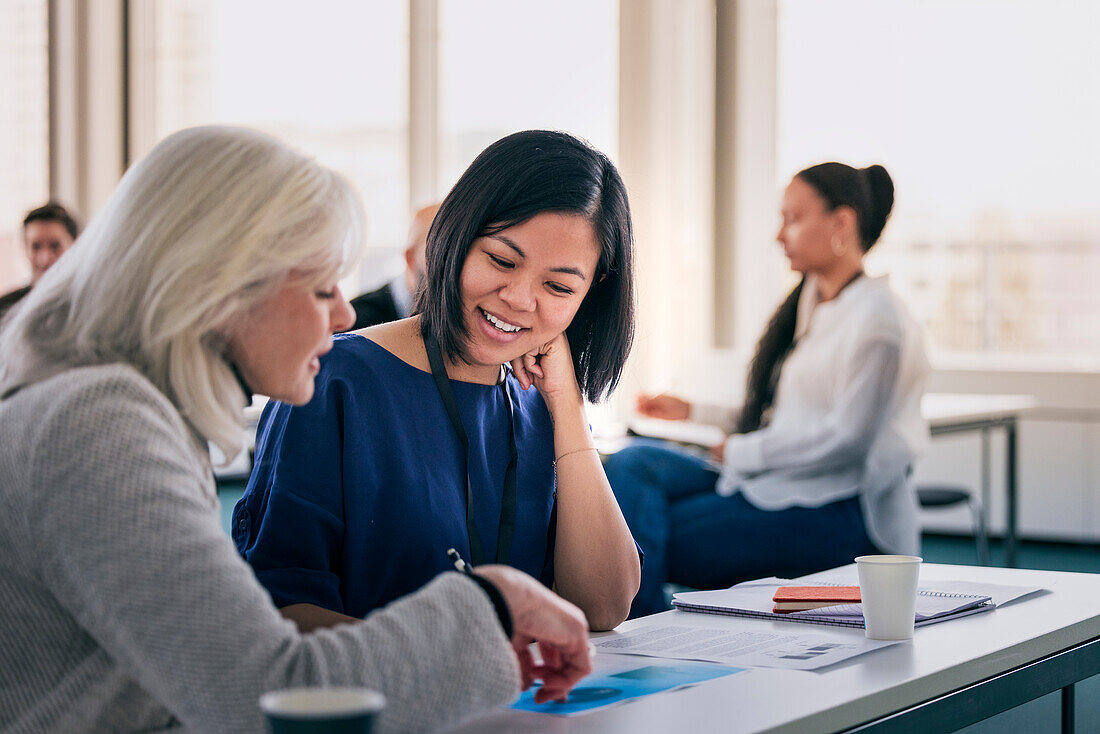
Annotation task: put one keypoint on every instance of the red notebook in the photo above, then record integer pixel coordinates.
(801, 598)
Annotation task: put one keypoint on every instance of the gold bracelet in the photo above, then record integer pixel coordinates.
(574, 451)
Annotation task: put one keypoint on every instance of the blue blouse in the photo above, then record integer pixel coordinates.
(355, 497)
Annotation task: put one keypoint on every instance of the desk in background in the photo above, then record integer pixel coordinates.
(952, 675)
(949, 414)
(945, 413)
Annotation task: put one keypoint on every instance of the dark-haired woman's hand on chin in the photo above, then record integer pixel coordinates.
(550, 370)
(596, 563)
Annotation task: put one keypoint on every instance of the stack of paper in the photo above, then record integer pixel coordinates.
(754, 599)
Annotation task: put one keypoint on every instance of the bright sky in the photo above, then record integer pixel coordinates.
(988, 105)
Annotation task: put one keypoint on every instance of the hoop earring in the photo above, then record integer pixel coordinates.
(837, 246)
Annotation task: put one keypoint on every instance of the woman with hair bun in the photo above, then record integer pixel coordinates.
(816, 469)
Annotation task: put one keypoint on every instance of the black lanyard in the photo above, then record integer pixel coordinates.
(508, 500)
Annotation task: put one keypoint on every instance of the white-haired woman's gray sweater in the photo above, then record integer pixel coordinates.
(124, 607)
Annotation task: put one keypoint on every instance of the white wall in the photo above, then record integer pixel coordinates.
(1058, 449)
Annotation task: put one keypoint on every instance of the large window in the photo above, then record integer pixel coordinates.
(986, 114)
(329, 77)
(24, 120)
(334, 78)
(508, 66)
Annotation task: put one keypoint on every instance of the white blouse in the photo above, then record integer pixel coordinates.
(846, 417)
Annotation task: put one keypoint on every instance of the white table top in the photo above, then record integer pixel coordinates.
(941, 658)
(939, 409)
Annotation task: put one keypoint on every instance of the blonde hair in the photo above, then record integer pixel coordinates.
(198, 233)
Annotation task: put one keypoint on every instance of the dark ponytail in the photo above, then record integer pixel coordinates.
(870, 193)
(771, 350)
(880, 188)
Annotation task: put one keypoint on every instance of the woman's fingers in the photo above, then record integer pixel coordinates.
(552, 366)
(559, 679)
(520, 371)
(539, 614)
(531, 362)
(526, 368)
(527, 667)
(551, 658)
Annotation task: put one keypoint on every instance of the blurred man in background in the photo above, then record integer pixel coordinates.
(48, 232)
(394, 300)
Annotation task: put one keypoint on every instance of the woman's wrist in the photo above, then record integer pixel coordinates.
(566, 407)
(571, 432)
(571, 452)
(500, 606)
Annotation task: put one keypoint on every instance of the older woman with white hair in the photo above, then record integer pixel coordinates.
(211, 272)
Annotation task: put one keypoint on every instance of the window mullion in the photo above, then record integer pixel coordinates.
(86, 101)
(423, 102)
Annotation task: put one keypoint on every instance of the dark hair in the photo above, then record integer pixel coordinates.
(53, 212)
(512, 180)
(869, 192)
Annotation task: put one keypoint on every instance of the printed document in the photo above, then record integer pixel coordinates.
(796, 650)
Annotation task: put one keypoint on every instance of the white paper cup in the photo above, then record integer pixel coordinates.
(888, 592)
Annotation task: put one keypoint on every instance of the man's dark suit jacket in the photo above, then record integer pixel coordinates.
(10, 299)
(376, 307)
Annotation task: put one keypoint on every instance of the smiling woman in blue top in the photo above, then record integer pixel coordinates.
(424, 434)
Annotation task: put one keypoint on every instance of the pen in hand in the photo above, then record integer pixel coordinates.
(494, 592)
(460, 565)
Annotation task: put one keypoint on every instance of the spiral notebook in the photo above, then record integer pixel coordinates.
(754, 599)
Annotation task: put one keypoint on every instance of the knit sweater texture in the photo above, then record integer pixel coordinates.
(124, 607)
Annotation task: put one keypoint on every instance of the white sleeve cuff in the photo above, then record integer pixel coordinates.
(744, 454)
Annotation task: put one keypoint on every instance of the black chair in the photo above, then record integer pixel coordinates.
(932, 496)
